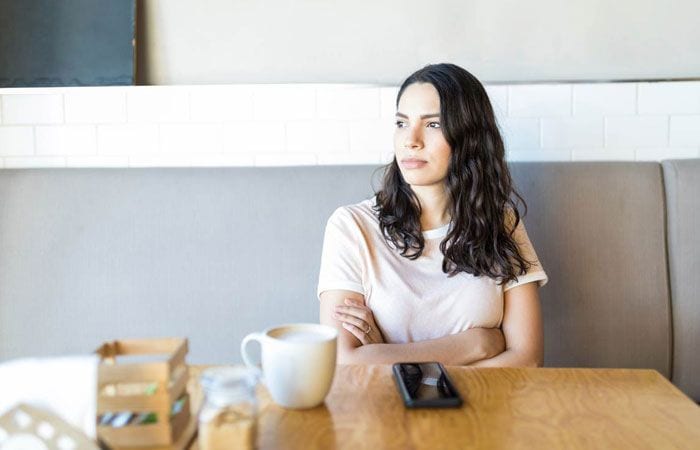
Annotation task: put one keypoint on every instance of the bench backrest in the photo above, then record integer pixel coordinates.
(88, 255)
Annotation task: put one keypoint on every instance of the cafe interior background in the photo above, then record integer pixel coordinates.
(244, 83)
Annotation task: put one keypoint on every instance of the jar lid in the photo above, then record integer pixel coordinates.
(227, 384)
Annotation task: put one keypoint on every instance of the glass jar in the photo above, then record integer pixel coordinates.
(228, 416)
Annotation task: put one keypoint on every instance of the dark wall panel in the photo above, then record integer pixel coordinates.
(66, 43)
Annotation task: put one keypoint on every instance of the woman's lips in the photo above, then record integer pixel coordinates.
(413, 163)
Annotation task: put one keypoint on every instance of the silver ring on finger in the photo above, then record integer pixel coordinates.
(368, 330)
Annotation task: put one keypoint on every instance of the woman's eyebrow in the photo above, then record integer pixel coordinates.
(424, 116)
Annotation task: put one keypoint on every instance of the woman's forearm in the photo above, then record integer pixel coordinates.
(456, 349)
(510, 358)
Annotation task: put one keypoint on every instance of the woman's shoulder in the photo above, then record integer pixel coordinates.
(360, 213)
(365, 207)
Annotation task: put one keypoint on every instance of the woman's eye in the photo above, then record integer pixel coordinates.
(400, 124)
(434, 124)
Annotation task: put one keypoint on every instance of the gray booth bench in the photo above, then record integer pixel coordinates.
(88, 255)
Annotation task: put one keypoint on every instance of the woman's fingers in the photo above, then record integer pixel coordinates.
(359, 334)
(355, 308)
(357, 319)
(353, 320)
(360, 313)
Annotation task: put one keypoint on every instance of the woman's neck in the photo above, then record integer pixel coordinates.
(434, 203)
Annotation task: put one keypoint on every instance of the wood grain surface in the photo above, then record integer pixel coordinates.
(504, 408)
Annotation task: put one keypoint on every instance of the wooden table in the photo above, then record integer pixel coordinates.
(504, 408)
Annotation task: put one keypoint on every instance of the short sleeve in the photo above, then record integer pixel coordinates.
(341, 262)
(527, 251)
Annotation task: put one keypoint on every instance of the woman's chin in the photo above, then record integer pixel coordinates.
(420, 177)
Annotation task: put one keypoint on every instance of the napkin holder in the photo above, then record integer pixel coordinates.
(121, 391)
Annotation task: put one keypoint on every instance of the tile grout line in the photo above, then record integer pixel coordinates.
(508, 100)
(34, 153)
(605, 131)
(315, 118)
(63, 107)
(127, 116)
(573, 100)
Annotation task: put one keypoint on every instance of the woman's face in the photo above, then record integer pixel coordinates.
(422, 153)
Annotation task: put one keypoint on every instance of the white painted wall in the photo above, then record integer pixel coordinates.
(382, 41)
(310, 124)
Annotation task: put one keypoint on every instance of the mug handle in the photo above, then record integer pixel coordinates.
(244, 352)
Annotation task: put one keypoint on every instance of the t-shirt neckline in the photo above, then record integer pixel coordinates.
(427, 234)
(437, 232)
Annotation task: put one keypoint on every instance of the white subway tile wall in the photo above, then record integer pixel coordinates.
(221, 103)
(681, 97)
(520, 133)
(97, 161)
(155, 104)
(603, 99)
(636, 131)
(572, 132)
(349, 102)
(657, 154)
(95, 105)
(127, 139)
(388, 101)
(685, 130)
(56, 140)
(249, 136)
(540, 100)
(284, 102)
(539, 155)
(318, 136)
(370, 135)
(16, 162)
(603, 154)
(183, 138)
(321, 124)
(29, 109)
(499, 100)
(16, 141)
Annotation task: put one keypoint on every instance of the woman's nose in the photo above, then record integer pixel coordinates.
(413, 138)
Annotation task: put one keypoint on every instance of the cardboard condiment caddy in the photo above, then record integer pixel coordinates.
(150, 386)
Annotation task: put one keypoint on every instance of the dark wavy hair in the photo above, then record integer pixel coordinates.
(483, 202)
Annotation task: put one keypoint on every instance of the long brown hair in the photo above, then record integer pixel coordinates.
(483, 202)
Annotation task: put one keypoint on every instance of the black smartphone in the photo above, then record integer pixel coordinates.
(425, 385)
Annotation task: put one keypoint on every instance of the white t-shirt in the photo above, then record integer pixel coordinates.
(412, 300)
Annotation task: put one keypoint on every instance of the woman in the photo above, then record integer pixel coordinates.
(437, 266)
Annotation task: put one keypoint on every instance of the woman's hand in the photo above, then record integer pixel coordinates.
(359, 320)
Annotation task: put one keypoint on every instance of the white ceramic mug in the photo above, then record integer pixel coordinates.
(298, 362)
